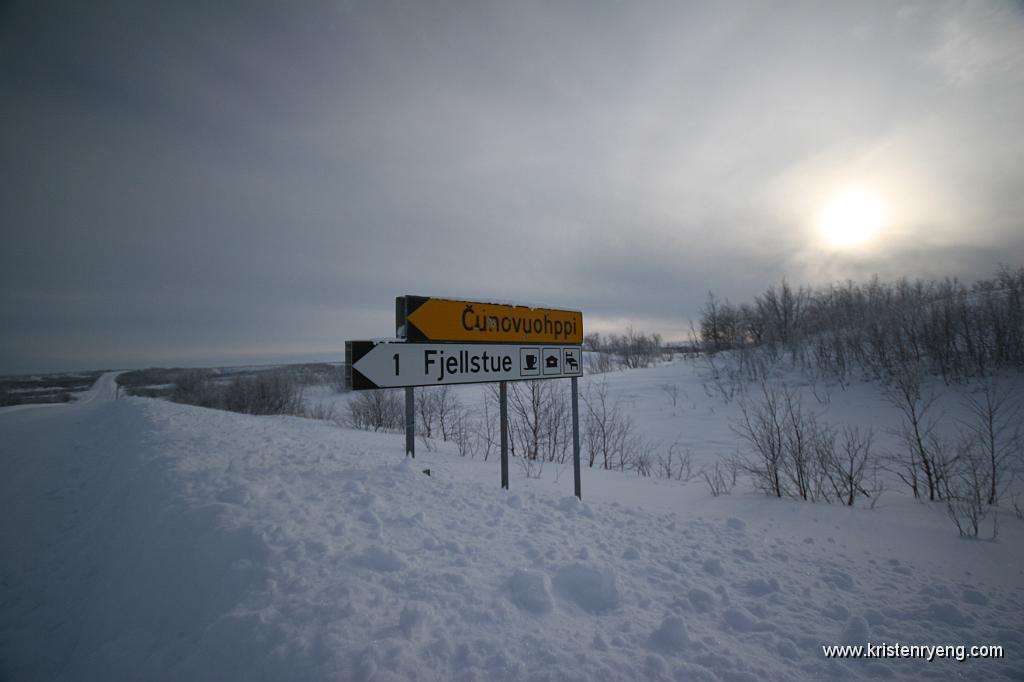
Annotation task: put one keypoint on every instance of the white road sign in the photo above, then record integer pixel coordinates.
(395, 364)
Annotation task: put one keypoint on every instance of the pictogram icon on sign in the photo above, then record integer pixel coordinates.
(571, 361)
(552, 361)
(529, 362)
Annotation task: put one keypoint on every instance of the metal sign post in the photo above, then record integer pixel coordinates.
(503, 409)
(576, 439)
(410, 423)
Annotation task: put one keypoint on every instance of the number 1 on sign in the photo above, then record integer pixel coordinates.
(395, 356)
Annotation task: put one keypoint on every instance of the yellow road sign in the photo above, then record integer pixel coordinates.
(419, 318)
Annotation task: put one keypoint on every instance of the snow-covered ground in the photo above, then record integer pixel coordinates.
(149, 540)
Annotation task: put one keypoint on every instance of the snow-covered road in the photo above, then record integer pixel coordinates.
(105, 388)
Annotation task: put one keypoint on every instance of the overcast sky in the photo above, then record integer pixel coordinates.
(187, 183)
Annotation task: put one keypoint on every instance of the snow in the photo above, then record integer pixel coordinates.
(148, 540)
(512, 303)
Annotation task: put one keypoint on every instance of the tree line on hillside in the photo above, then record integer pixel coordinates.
(901, 334)
(631, 350)
(954, 329)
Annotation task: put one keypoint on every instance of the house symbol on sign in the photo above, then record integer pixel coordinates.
(551, 362)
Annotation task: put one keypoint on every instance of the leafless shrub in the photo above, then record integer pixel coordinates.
(377, 410)
(823, 395)
(539, 421)
(672, 391)
(850, 466)
(324, 411)
(196, 388)
(946, 327)
(723, 382)
(793, 454)
(268, 392)
(631, 350)
(436, 407)
(967, 489)
(272, 393)
(486, 436)
(600, 362)
(608, 435)
(448, 406)
(801, 437)
(531, 468)
(643, 462)
(877, 489)
(916, 463)
(721, 478)
(994, 427)
(676, 464)
(426, 411)
(429, 444)
(762, 426)
(463, 432)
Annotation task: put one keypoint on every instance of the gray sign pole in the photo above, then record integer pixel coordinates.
(410, 423)
(503, 400)
(576, 438)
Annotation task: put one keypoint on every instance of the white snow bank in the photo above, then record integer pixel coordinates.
(148, 540)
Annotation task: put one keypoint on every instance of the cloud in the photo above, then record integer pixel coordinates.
(190, 180)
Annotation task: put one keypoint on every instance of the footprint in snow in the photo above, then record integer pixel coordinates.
(840, 580)
(529, 591)
(744, 554)
(702, 601)
(759, 587)
(670, 637)
(379, 559)
(713, 567)
(975, 597)
(741, 620)
(735, 524)
(948, 613)
(592, 588)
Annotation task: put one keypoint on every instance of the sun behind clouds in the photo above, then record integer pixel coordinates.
(851, 217)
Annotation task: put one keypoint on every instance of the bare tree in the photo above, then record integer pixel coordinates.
(377, 410)
(947, 327)
(849, 465)
(671, 389)
(995, 428)
(762, 426)
(462, 432)
(967, 489)
(598, 357)
(916, 460)
(608, 435)
(721, 478)
(448, 407)
(676, 464)
(426, 411)
(268, 393)
(800, 431)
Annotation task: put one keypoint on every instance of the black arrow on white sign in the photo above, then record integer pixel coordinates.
(372, 364)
